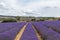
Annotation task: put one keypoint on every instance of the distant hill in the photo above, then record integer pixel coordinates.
(4, 16)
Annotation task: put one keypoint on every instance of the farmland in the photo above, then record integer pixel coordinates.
(43, 30)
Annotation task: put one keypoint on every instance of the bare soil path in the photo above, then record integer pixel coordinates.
(38, 35)
(18, 36)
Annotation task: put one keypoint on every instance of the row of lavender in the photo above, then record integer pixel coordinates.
(29, 33)
(48, 33)
(55, 25)
(8, 31)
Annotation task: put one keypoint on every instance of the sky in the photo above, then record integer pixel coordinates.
(37, 8)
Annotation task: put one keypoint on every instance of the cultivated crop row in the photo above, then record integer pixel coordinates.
(46, 33)
(11, 34)
(29, 33)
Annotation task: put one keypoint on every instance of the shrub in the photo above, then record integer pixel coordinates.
(18, 17)
(42, 20)
(58, 18)
(9, 20)
(33, 19)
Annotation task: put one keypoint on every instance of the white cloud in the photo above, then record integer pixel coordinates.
(35, 7)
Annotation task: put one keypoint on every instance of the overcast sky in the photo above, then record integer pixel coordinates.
(50, 8)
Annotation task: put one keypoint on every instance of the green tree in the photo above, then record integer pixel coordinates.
(9, 20)
(59, 18)
(33, 19)
(18, 17)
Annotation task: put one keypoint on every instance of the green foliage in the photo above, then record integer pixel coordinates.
(58, 18)
(18, 17)
(33, 19)
(9, 20)
(42, 19)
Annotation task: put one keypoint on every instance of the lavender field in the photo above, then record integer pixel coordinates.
(43, 30)
(29, 19)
